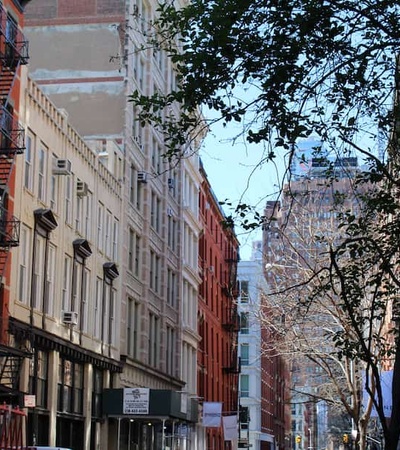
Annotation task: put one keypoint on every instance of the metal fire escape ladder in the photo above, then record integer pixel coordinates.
(13, 53)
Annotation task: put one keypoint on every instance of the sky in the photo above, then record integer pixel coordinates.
(233, 174)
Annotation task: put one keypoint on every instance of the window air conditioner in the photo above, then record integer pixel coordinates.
(61, 167)
(81, 188)
(70, 317)
(142, 177)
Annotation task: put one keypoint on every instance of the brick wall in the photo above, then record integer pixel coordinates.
(65, 9)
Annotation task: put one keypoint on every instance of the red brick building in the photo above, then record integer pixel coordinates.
(13, 54)
(218, 364)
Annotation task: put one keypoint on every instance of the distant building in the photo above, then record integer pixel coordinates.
(308, 208)
(264, 376)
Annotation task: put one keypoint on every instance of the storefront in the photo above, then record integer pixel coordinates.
(149, 419)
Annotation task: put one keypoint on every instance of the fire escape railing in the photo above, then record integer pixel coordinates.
(12, 134)
(9, 229)
(14, 50)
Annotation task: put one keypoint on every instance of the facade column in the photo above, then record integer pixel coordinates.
(54, 361)
(87, 403)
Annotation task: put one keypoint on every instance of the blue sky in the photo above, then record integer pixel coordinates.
(233, 173)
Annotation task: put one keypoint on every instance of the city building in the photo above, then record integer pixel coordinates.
(65, 289)
(264, 377)
(13, 55)
(96, 55)
(218, 320)
(309, 208)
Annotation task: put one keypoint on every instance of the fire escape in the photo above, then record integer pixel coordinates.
(13, 54)
(231, 323)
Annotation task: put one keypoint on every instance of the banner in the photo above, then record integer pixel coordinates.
(386, 384)
(230, 424)
(212, 412)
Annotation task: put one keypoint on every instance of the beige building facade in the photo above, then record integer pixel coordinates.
(91, 64)
(66, 288)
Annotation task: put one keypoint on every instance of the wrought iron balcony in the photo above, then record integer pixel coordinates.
(12, 135)
(9, 229)
(14, 46)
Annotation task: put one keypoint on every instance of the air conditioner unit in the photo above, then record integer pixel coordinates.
(171, 183)
(70, 317)
(170, 212)
(61, 167)
(142, 177)
(81, 188)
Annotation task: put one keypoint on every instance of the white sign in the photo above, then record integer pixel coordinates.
(29, 401)
(212, 413)
(136, 401)
(231, 430)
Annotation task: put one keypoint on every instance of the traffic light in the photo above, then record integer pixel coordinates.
(345, 438)
(298, 439)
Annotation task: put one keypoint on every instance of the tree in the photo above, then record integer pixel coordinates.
(287, 71)
(331, 351)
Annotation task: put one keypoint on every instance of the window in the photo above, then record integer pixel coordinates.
(115, 240)
(153, 341)
(85, 299)
(38, 377)
(132, 185)
(133, 331)
(97, 392)
(88, 216)
(28, 180)
(244, 385)
(170, 350)
(171, 287)
(53, 192)
(244, 354)
(38, 272)
(78, 214)
(107, 234)
(100, 214)
(172, 233)
(244, 291)
(42, 174)
(156, 158)
(68, 200)
(154, 272)
(98, 308)
(70, 387)
(155, 212)
(66, 290)
(50, 280)
(133, 252)
(244, 323)
(112, 334)
(24, 252)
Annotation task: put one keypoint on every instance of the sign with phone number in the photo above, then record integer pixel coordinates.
(136, 401)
